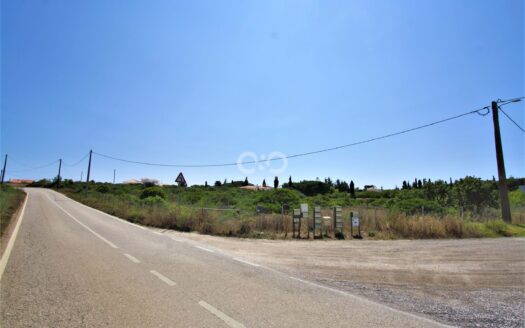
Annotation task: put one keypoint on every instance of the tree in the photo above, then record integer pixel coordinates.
(264, 183)
(276, 182)
(218, 183)
(352, 188)
(205, 184)
(245, 182)
(225, 182)
(404, 185)
(290, 184)
(419, 184)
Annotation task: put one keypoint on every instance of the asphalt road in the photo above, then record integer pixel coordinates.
(73, 266)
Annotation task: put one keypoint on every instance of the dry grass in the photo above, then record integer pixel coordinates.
(376, 223)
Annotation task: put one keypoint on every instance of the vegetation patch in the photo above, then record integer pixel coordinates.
(10, 200)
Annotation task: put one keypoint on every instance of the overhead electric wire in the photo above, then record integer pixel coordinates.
(510, 118)
(77, 162)
(35, 167)
(477, 111)
(509, 101)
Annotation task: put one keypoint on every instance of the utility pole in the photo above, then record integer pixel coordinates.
(59, 167)
(502, 183)
(89, 166)
(114, 172)
(3, 171)
(81, 175)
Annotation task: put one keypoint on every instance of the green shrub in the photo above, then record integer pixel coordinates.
(152, 192)
(102, 189)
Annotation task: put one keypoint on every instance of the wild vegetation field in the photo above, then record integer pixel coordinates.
(10, 200)
(464, 208)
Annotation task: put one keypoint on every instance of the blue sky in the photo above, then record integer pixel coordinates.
(202, 82)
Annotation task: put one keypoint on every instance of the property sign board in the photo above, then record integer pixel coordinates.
(304, 210)
(317, 217)
(338, 217)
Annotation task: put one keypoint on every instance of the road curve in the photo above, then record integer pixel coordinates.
(73, 266)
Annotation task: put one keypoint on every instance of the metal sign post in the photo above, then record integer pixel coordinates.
(304, 215)
(318, 220)
(356, 222)
(296, 223)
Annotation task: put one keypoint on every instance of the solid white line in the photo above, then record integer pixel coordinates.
(229, 321)
(82, 224)
(246, 262)
(11, 242)
(163, 278)
(106, 214)
(132, 258)
(206, 249)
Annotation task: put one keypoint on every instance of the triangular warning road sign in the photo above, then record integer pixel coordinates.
(180, 179)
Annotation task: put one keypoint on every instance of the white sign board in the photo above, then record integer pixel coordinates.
(355, 221)
(304, 209)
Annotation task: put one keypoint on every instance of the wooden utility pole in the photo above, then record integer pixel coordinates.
(89, 166)
(3, 170)
(502, 183)
(59, 167)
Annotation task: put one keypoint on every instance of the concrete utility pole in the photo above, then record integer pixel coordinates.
(59, 167)
(502, 183)
(3, 171)
(114, 172)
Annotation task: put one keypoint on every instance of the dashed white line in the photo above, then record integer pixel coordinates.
(228, 320)
(246, 262)
(82, 224)
(205, 249)
(163, 278)
(132, 258)
(11, 242)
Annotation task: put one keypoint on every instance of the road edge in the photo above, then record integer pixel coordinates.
(12, 238)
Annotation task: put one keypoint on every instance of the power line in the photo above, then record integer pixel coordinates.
(482, 111)
(510, 118)
(35, 167)
(509, 101)
(78, 162)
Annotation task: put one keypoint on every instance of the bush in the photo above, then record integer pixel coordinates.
(102, 189)
(152, 192)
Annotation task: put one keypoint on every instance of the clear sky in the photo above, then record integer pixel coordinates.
(202, 82)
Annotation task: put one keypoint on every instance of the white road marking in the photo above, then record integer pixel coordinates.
(82, 224)
(229, 321)
(132, 258)
(156, 232)
(163, 278)
(205, 249)
(11, 242)
(246, 262)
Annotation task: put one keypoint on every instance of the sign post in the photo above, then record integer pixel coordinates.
(356, 222)
(304, 215)
(296, 223)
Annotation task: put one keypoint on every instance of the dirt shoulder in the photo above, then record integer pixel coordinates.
(466, 282)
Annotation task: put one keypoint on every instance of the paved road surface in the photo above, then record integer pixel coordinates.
(72, 266)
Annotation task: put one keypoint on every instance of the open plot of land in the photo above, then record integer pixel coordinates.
(471, 282)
